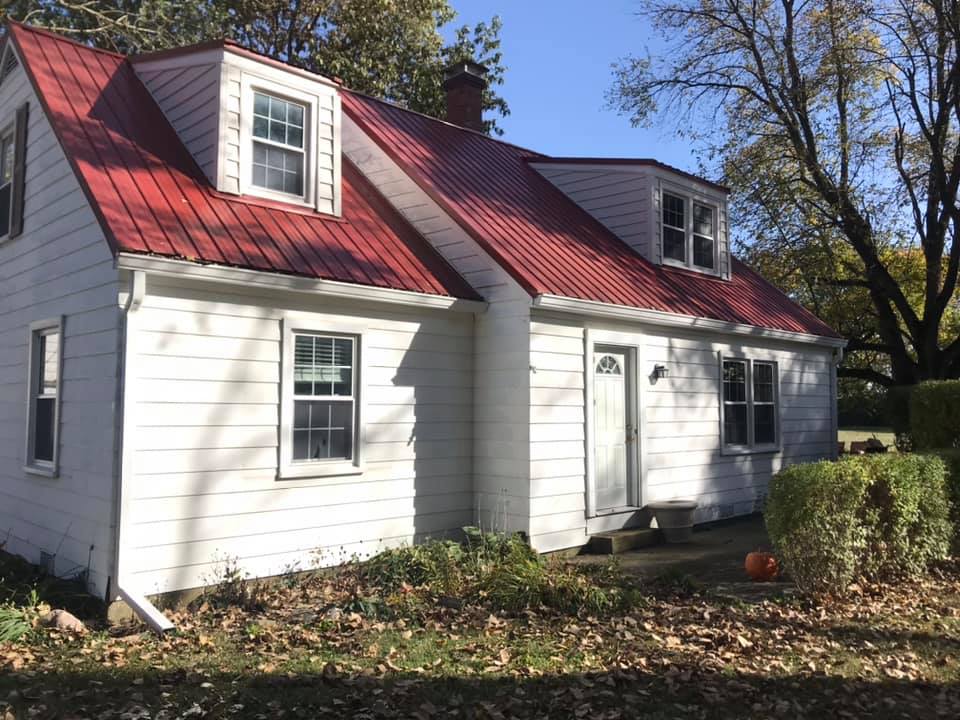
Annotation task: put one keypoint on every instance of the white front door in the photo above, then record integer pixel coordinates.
(612, 433)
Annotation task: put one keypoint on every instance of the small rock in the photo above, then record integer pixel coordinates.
(334, 614)
(451, 602)
(62, 620)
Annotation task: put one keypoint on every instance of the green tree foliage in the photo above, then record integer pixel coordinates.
(836, 124)
(391, 49)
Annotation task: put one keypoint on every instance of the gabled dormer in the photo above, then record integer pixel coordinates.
(255, 126)
(668, 216)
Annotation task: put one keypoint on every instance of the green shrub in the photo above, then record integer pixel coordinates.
(812, 516)
(906, 514)
(935, 414)
(15, 622)
(498, 569)
(951, 459)
(438, 563)
(879, 517)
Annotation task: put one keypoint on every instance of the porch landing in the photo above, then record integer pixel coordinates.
(713, 558)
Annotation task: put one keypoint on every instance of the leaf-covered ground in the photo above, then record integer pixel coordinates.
(891, 652)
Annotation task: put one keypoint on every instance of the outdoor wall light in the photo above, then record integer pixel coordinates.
(660, 371)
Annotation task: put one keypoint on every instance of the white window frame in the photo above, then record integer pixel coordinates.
(38, 329)
(289, 468)
(249, 86)
(751, 445)
(689, 200)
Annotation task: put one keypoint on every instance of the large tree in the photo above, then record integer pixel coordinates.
(392, 49)
(836, 123)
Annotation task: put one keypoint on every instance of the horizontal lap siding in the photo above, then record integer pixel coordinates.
(60, 265)
(557, 449)
(681, 423)
(205, 488)
(502, 336)
(189, 97)
(619, 200)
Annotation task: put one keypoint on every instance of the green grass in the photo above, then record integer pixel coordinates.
(850, 434)
(890, 652)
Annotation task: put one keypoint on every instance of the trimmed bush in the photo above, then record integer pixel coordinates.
(935, 414)
(878, 517)
(951, 458)
(812, 516)
(906, 514)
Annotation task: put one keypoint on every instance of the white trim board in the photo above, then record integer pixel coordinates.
(292, 283)
(596, 309)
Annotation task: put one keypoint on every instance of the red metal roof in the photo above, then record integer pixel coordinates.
(151, 197)
(547, 242)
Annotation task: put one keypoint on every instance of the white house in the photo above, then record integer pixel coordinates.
(247, 313)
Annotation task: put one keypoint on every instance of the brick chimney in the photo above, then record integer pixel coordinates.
(465, 82)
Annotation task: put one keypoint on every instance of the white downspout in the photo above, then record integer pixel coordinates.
(137, 601)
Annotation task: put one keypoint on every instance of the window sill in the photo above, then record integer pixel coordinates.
(319, 470)
(743, 450)
(40, 470)
(670, 262)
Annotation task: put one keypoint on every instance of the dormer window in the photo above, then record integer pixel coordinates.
(688, 232)
(279, 157)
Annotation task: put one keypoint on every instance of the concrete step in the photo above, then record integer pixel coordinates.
(620, 541)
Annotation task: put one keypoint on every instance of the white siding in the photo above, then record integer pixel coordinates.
(627, 201)
(201, 94)
(207, 390)
(189, 97)
(501, 443)
(620, 200)
(60, 265)
(680, 422)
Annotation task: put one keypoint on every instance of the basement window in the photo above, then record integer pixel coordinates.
(749, 402)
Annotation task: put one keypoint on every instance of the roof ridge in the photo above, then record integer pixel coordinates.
(63, 38)
(397, 106)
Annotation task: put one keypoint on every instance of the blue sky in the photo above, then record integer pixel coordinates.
(558, 55)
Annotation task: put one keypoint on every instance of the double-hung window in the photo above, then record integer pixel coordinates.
(279, 151)
(44, 396)
(688, 229)
(750, 404)
(7, 155)
(320, 412)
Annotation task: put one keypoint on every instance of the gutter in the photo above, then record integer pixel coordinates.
(596, 309)
(137, 601)
(167, 267)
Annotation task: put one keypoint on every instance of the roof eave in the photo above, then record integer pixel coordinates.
(608, 311)
(171, 267)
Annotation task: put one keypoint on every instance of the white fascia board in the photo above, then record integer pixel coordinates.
(292, 283)
(687, 322)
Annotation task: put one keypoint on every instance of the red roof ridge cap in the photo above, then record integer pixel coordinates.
(235, 46)
(61, 38)
(483, 135)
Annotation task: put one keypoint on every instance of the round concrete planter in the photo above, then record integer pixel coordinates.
(675, 519)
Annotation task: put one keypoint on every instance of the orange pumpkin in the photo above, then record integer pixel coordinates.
(761, 566)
